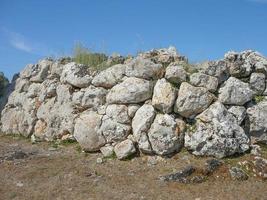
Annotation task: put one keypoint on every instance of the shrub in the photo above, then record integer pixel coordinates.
(259, 98)
(3, 84)
(83, 55)
(190, 68)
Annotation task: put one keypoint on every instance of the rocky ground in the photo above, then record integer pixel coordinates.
(63, 171)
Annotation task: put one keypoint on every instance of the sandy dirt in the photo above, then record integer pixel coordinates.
(49, 171)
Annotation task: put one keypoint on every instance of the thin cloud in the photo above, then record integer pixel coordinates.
(20, 42)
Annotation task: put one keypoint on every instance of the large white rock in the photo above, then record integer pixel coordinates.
(164, 136)
(192, 100)
(86, 131)
(203, 80)
(42, 71)
(114, 131)
(216, 133)
(141, 123)
(109, 77)
(235, 92)
(239, 113)
(93, 97)
(124, 149)
(239, 65)
(118, 113)
(176, 74)
(76, 74)
(144, 68)
(257, 122)
(164, 96)
(257, 83)
(131, 90)
(218, 69)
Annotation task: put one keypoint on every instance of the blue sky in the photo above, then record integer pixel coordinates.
(199, 29)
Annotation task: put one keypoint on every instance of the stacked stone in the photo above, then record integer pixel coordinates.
(151, 103)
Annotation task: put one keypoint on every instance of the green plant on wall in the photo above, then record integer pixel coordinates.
(84, 56)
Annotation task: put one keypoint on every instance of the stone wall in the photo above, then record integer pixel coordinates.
(155, 103)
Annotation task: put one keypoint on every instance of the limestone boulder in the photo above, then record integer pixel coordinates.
(164, 96)
(86, 131)
(141, 124)
(235, 92)
(257, 83)
(176, 74)
(124, 149)
(257, 122)
(238, 64)
(216, 133)
(41, 71)
(239, 113)
(93, 97)
(131, 90)
(164, 136)
(109, 77)
(76, 75)
(144, 68)
(113, 131)
(118, 113)
(203, 80)
(218, 69)
(192, 100)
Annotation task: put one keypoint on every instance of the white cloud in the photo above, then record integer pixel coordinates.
(22, 43)
(19, 42)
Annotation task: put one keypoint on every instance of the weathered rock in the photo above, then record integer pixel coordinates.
(239, 112)
(203, 80)
(164, 96)
(180, 176)
(257, 83)
(34, 90)
(109, 77)
(124, 149)
(107, 150)
(144, 68)
(176, 74)
(238, 174)
(131, 90)
(141, 123)
(216, 133)
(118, 113)
(192, 100)
(212, 165)
(17, 121)
(76, 74)
(164, 136)
(257, 122)
(58, 118)
(28, 71)
(235, 92)
(132, 109)
(41, 72)
(238, 64)
(165, 56)
(217, 69)
(86, 131)
(93, 97)
(260, 167)
(114, 131)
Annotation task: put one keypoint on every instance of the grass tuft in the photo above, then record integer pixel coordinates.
(84, 56)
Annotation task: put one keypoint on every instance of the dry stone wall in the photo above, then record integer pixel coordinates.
(155, 103)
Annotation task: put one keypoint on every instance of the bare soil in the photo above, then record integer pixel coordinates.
(48, 171)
